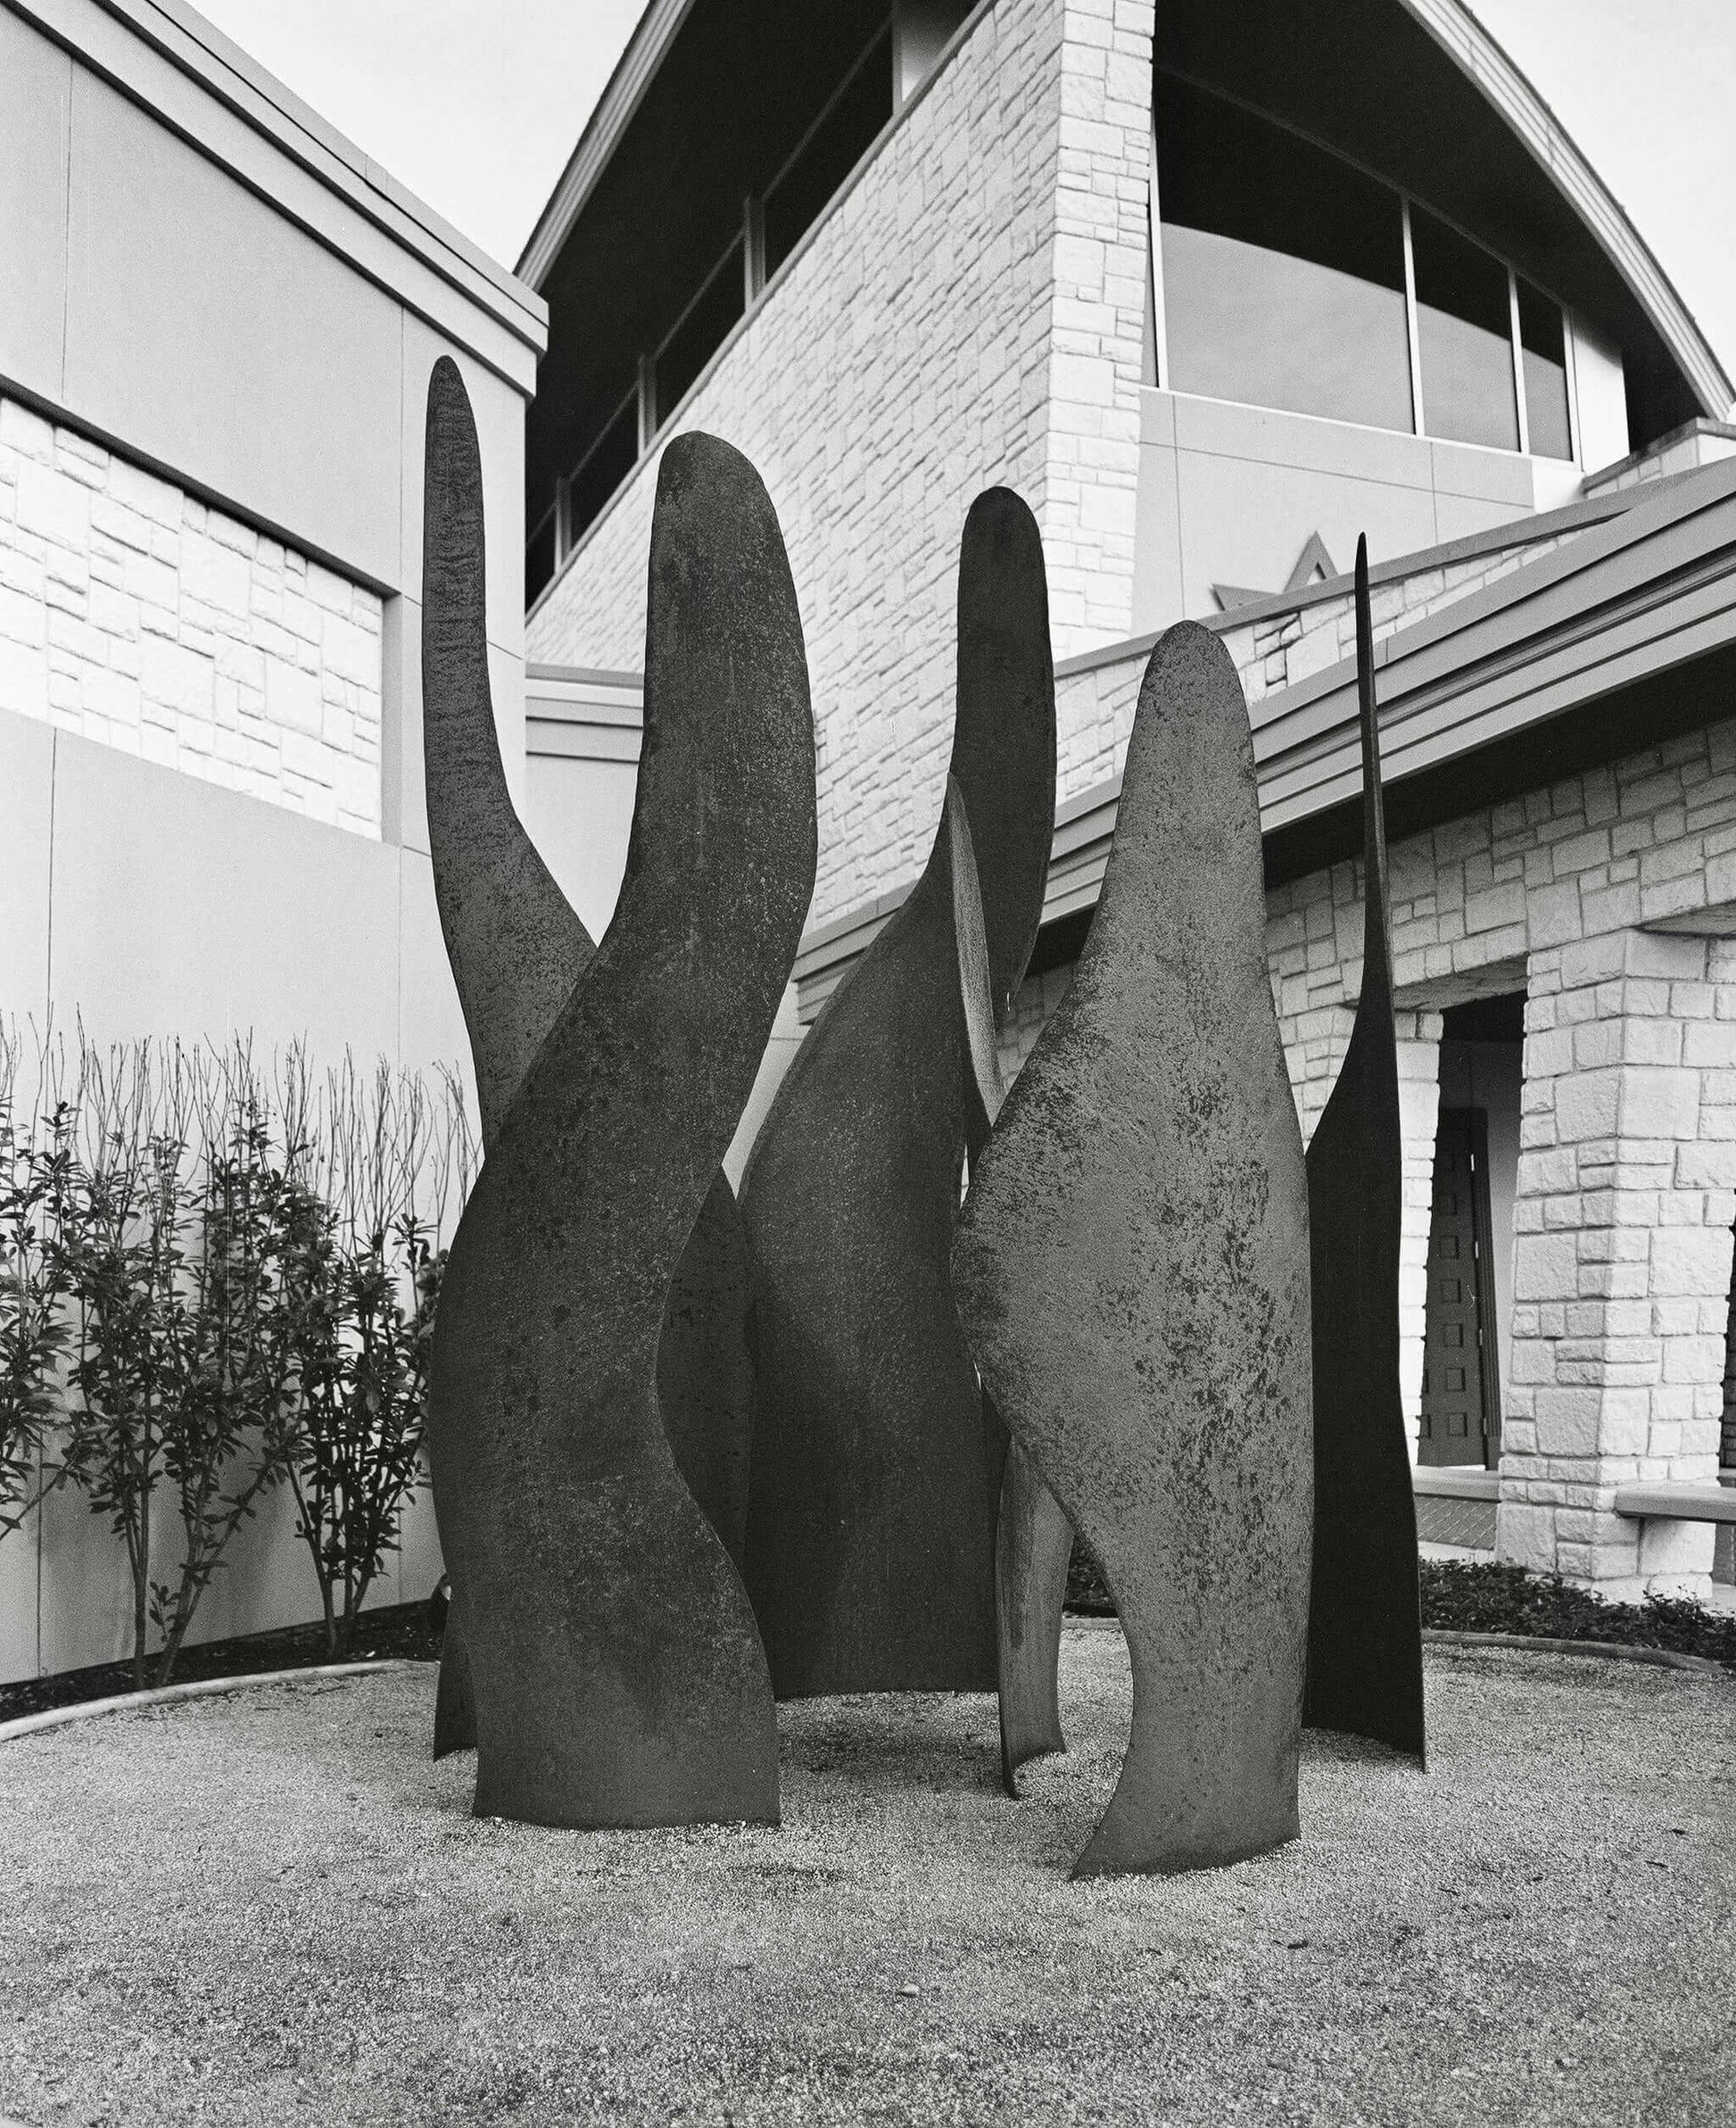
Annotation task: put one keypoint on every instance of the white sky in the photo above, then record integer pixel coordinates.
(476, 104)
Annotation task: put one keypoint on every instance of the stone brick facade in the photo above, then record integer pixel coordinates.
(133, 614)
(969, 312)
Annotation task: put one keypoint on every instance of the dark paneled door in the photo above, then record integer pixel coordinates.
(1461, 1388)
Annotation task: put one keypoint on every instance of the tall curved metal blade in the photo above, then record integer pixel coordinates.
(1364, 1652)
(618, 1676)
(1003, 730)
(870, 1518)
(517, 949)
(1033, 1548)
(516, 944)
(1131, 1268)
(875, 1469)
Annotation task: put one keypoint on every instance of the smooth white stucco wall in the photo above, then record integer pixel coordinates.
(217, 316)
(145, 902)
(1231, 495)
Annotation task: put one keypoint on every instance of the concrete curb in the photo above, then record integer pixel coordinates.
(1526, 1643)
(53, 1717)
(1610, 1650)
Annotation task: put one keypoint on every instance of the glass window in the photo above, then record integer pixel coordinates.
(1465, 331)
(1282, 268)
(1543, 337)
(602, 469)
(797, 195)
(708, 324)
(539, 558)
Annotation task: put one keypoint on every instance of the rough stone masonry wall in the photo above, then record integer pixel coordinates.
(132, 614)
(1626, 1188)
(968, 314)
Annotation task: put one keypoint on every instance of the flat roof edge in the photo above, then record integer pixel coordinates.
(634, 73)
(181, 38)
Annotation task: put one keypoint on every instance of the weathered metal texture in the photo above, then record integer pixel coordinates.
(617, 1675)
(1033, 1544)
(870, 1521)
(704, 1379)
(875, 1469)
(1033, 1538)
(517, 949)
(1131, 1267)
(1003, 743)
(1365, 1648)
(1004, 756)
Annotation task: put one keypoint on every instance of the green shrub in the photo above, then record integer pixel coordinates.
(210, 1287)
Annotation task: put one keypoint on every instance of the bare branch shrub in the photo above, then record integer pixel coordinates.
(209, 1287)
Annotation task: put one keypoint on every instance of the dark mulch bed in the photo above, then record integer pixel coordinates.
(1467, 1596)
(400, 1629)
(1462, 1596)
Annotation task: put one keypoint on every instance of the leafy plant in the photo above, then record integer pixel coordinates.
(370, 1280)
(33, 1288)
(209, 1288)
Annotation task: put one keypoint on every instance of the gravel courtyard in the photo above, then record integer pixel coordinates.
(272, 1907)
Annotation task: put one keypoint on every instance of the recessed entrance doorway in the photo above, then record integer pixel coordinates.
(1468, 1317)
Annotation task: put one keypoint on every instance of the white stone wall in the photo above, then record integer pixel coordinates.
(1626, 1188)
(1622, 1250)
(132, 614)
(968, 315)
(1097, 332)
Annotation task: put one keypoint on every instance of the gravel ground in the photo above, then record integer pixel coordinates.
(273, 1907)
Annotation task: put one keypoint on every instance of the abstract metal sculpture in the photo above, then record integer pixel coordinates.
(1365, 1652)
(875, 1469)
(1003, 756)
(1131, 1269)
(617, 1675)
(517, 949)
(1033, 1548)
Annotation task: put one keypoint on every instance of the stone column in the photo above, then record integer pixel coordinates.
(1622, 1254)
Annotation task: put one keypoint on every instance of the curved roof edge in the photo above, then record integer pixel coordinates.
(1465, 40)
(634, 71)
(1453, 27)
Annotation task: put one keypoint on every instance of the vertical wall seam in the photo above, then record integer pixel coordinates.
(66, 241)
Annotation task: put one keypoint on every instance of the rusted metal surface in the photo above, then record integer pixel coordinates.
(1131, 1268)
(875, 1469)
(517, 949)
(704, 1380)
(1365, 1648)
(1033, 1544)
(869, 1522)
(617, 1675)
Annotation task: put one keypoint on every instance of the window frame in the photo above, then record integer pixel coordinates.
(1419, 405)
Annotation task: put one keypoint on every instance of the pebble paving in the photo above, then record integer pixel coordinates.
(274, 1908)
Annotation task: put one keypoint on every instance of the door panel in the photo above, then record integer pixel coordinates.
(1461, 1393)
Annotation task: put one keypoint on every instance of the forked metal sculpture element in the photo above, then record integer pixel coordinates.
(1004, 756)
(1131, 1268)
(875, 1469)
(1365, 1649)
(618, 1674)
(517, 949)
